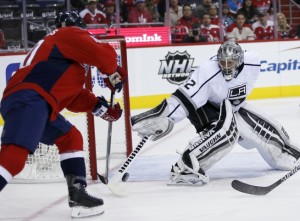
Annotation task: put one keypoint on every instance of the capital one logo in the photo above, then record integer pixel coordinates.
(176, 67)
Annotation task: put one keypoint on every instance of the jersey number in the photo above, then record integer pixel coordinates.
(190, 84)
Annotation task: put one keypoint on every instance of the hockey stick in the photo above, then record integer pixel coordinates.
(261, 190)
(114, 183)
(108, 147)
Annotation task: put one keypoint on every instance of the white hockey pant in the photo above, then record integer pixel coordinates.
(259, 131)
(205, 150)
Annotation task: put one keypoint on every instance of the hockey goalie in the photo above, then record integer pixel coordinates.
(213, 98)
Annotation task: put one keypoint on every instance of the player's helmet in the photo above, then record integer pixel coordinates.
(72, 18)
(230, 57)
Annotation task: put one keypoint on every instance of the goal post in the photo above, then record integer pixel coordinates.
(119, 44)
(44, 164)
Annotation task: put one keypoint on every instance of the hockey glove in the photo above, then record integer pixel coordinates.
(154, 122)
(116, 80)
(106, 112)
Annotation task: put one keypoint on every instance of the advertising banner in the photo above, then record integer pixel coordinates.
(139, 36)
(158, 71)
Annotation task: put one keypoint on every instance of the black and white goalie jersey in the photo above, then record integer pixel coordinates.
(207, 84)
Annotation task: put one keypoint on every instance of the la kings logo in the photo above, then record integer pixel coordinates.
(176, 67)
(237, 95)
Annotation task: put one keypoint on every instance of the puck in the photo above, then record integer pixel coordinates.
(125, 177)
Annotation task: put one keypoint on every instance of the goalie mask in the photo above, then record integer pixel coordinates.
(64, 19)
(230, 57)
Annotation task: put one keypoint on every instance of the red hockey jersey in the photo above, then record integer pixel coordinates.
(264, 32)
(211, 32)
(97, 18)
(57, 66)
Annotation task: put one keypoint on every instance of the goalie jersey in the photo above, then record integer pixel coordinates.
(207, 84)
(61, 60)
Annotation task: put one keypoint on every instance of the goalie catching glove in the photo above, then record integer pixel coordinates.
(116, 80)
(106, 112)
(154, 122)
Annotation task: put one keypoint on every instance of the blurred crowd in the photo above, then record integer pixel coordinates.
(241, 20)
(198, 20)
(189, 20)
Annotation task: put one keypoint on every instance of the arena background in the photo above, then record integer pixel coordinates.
(155, 72)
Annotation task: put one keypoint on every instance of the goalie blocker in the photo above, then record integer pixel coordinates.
(153, 123)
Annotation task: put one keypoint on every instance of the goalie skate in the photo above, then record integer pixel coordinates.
(187, 177)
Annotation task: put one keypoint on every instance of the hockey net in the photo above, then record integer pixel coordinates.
(44, 164)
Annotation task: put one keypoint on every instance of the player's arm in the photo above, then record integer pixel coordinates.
(254, 64)
(159, 121)
(191, 95)
(83, 48)
(86, 101)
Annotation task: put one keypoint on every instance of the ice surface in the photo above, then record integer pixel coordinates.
(149, 199)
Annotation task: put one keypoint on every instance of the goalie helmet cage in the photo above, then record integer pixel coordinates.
(44, 164)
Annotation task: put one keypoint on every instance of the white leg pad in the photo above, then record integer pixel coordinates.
(268, 137)
(218, 141)
(206, 149)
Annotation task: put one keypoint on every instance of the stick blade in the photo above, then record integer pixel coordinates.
(117, 189)
(250, 189)
(102, 179)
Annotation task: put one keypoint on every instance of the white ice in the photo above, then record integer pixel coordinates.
(149, 199)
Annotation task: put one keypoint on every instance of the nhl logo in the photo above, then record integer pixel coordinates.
(176, 67)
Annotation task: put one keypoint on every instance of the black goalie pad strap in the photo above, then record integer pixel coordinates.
(203, 116)
(155, 112)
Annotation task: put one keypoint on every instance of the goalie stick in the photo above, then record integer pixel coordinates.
(114, 183)
(261, 190)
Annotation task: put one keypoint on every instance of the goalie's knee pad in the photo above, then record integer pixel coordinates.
(211, 145)
(154, 122)
(268, 136)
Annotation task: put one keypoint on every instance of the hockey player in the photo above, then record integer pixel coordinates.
(214, 100)
(52, 78)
